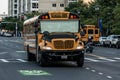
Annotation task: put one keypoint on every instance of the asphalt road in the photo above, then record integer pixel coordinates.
(102, 64)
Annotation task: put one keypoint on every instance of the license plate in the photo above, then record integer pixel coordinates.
(64, 57)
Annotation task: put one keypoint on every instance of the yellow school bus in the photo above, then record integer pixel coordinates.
(91, 31)
(54, 36)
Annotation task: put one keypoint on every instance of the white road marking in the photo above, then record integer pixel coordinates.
(109, 77)
(3, 53)
(87, 68)
(21, 60)
(20, 51)
(100, 73)
(92, 60)
(107, 59)
(117, 58)
(4, 60)
(93, 70)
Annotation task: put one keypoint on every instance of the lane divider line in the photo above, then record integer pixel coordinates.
(117, 58)
(100, 73)
(107, 59)
(3, 60)
(92, 60)
(109, 77)
(21, 60)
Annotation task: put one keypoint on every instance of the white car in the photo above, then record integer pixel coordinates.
(113, 40)
(102, 39)
(7, 34)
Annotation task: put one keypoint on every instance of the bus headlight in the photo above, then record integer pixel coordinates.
(79, 47)
(46, 48)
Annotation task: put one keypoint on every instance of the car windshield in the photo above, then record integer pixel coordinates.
(103, 37)
(116, 36)
(59, 25)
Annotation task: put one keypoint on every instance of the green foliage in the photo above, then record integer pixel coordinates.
(11, 26)
(109, 12)
(30, 15)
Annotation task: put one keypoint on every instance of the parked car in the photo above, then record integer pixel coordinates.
(8, 34)
(113, 40)
(102, 40)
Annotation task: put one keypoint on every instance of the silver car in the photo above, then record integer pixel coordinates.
(7, 34)
(113, 40)
(102, 39)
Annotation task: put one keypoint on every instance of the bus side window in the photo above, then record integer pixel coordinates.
(90, 31)
(96, 31)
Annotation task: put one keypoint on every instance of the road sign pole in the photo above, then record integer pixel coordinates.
(16, 29)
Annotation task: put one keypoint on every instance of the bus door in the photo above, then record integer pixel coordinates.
(96, 35)
(84, 38)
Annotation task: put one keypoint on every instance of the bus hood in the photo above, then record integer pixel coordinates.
(51, 36)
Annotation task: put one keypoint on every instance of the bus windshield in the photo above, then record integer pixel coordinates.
(59, 25)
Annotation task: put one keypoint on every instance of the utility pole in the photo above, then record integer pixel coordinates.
(16, 29)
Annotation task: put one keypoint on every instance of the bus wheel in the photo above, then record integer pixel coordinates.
(80, 61)
(30, 56)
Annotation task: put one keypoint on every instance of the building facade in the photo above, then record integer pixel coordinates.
(16, 8)
(19, 7)
(53, 5)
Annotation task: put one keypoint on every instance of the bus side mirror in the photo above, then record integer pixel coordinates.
(82, 26)
(82, 33)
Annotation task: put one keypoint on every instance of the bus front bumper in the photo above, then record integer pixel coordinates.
(71, 55)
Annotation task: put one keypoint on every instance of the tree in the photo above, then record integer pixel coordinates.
(116, 25)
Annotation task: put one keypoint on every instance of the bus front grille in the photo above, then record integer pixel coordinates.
(63, 44)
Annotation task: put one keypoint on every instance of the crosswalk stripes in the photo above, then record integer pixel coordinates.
(11, 39)
(13, 60)
(101, 60)
(3, 60)
(21, 60)
(117, 58)
(93, 60)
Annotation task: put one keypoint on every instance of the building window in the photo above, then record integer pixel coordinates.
(15, 11)
(34, 0)
(15, 16)
(34, 5)
(15, 6)
(53, 5)
(15, 0)
(73, 0)
(61, 5)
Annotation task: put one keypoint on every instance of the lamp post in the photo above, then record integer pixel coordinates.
(97, 15)
(107, 32)
(78, 12)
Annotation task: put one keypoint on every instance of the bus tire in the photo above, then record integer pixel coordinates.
(30, 56)
(80, 61)
(42, 62)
